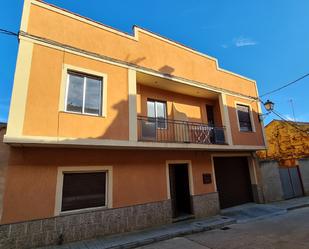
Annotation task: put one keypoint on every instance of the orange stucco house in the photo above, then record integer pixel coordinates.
(112, 132)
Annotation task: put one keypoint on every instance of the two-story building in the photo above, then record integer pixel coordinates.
(113, 132)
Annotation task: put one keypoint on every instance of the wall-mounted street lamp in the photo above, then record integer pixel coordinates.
(269, 106)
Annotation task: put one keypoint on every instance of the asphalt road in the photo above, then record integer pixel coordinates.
(287, 231)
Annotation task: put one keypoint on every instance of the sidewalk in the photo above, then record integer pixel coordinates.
(292, 203)
(239, 214)
(252, 211)
(145, 237)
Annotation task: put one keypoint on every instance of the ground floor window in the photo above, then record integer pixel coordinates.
(83, 190)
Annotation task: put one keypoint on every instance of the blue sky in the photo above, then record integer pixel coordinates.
(264, 40)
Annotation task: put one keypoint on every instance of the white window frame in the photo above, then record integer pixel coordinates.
(80, 170)
(85, 76)
(155, 109)
(250, 115)
(83, 71)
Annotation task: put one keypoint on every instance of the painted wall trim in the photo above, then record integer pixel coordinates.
(20, 89)
(250, 164)
(134, 37)
(260, 113)
(250, 114)
(190, 174)
(132, 105)
(118, 144)
(25, 15)
(64, 84)
(252, 168)
(79, 169)
(225, 118)
(106, 59)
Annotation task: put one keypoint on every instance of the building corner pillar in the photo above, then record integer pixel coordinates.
(132, 105)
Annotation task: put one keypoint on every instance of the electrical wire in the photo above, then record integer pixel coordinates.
(289, 122)
(7, 32)
(286, 85)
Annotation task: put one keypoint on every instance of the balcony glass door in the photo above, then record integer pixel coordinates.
(156, 111)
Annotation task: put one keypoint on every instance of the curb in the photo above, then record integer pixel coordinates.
(297, 207)
(283, 211)
(152, 236)
(195, 227)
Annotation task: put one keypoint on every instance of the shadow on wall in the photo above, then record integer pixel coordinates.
(254, 137)
(113, 126)
(167, 70)
(177, 115)
(119, 127)
(116, 125)
(182, 116)
(136, 60)
(179, 105)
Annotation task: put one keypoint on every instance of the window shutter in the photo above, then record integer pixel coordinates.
(83, 190)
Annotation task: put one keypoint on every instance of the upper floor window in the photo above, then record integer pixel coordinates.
(244, 119)
(157, 110)
(84, 94)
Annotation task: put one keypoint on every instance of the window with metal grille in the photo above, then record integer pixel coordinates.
(83, 190)
(244, 119)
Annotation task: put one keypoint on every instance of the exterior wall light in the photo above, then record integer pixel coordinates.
(269, 106)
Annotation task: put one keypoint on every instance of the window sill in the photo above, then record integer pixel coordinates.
(84, 210)
(247, 131)
(84, 114)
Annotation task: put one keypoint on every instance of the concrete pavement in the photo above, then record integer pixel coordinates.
(292, 203)
(248, 213)
(148, 236)
(175, 243)
(287, 231)
(252, 211)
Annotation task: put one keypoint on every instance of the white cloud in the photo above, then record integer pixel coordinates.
(244, 41)
(240, 41)
(299, 118)
(303, 117)
(288, 117)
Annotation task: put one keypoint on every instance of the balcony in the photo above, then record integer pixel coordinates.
(176, 131)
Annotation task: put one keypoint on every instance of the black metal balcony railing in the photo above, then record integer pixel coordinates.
(176, 131)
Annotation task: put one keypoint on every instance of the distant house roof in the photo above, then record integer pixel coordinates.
(283, 121)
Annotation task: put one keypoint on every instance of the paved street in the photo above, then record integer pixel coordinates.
(288, 231)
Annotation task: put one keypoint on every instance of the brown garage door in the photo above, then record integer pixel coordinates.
(233, 181)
